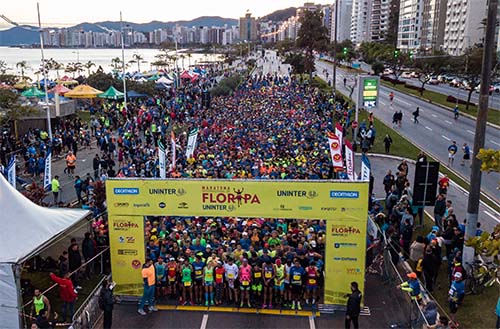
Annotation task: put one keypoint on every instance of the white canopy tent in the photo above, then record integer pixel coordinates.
(26, 228)
(164, 80)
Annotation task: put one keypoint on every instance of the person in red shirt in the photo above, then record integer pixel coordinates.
(66, 293)
(444, 183)
(219, 282)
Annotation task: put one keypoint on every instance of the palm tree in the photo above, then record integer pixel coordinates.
(88, 66)
(71, 68)
(137, 59)
(182, 56)
(116, 63)
(189, 58)
(22, 65)
(3, 67)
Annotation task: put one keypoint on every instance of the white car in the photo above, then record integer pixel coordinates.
(406, 75)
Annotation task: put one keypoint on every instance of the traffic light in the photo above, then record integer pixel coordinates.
(411, 54)
(344, 51)
(396, 53)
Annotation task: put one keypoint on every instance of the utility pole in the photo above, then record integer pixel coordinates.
(482, 114)
(334, 75)
(123, 64)
(44, 74)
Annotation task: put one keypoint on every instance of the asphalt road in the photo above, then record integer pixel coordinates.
(436, 130)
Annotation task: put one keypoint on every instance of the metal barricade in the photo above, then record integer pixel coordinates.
(89, 313)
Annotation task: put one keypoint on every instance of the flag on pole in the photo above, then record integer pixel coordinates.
(11, 171)
(47, 177)
(339, 132)
(349, 160)
(191, 145)
(162, 160)
(172, 142)
(365, 168)
(335, 151)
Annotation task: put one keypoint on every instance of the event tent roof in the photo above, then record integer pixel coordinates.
(60, 89)
(83, 91)
(111, 93)
(164, 80)
(33, 92)
(135, 94)
(27, 227)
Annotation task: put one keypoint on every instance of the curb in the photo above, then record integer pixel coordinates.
(442, 106)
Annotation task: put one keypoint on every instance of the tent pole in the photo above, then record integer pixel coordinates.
(16, 270)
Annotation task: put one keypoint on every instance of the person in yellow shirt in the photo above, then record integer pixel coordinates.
(71, 163)
(148, 296)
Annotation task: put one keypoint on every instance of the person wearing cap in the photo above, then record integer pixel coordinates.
(219, 282)
(231, 272)
(149, 279)
(412, 286)
(297, 274)
(245, 278)
(279, 281)
(208, 283)
(456, 295)
(198, 266)
(187, 281)
(269, 273)
(312, 274)
(172, 270)
(256, 282)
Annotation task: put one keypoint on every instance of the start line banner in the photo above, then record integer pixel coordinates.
(238, 198)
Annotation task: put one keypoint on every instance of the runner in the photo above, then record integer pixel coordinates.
(279, 282)
(219, 282)
(208, 283)
(268, 272)
(172, 272)
(71, 163)
(296, 278)
(466, 157)
(256, 284)
(312, 282)
(231, 271)
(161, 278)
(198, 266)
(288, 289)
(452, 150)
(40, 302)
(245, 277)
(187, 281)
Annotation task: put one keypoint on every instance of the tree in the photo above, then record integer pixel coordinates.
(312, 37)
(490, 160)
(14, 111)
(22, 65)
(189, 58)
(116, 63)
(88, 66)
(397, 61)
(378, 68)
(297, 62)
(136, 58)
(429, 66)
(3, 67)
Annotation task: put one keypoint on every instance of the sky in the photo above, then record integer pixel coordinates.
(71, 12)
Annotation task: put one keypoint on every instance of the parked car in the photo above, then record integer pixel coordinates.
(388, 72)
(496, 87)
(414, 74)
(406, 75)
(433, 81)
(466, 85)
(456, 82)
(491, 90)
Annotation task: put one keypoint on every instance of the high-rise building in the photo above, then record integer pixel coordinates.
(380, 21)
(409, 26)
(344, 20)
(248, 28)
(463, 25)
(433, 23)
(360, 21)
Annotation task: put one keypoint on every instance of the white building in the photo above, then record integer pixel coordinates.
(380, 22)
(433, 23)
(344, 20)
(360, 21)
(409, 27)
(463, 26)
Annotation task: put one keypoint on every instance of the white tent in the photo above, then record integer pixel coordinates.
(26, 228)
(164, 80)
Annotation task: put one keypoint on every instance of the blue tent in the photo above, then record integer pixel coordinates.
(135, 94)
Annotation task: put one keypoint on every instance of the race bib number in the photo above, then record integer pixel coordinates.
(245, 283)
(230, 275)
(312, 282)
(258, 275)
(296, 277)
(268, 275)
(197, 272)
(218, 276)
(187, 284)
(171, 279)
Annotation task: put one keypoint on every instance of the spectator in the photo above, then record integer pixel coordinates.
(67, 293)
(353, 307)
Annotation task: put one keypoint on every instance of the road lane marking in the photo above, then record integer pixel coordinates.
(495, 143)
(448, 122)
(491, 215)
(204, 321)
(401, 101)
(445, 137)
(470, 132)
(312, 325)
(434, 115)
(428, 128)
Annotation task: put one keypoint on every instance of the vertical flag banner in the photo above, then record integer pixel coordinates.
(162, 159)
(349, 160)
(172, 142)
(11, 171)
(191, 145)
(365, 168)
(339, 132)
(335, 150)
(47, 177)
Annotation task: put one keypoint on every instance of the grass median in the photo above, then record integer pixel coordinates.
(438, 98)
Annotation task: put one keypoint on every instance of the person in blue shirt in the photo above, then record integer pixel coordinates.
(452, 150)
(297, 273)
(412, 286)
(497, 312)
(456, 295)
(466, 157)
(198, 266)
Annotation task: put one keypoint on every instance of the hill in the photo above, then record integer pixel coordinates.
(280, 15)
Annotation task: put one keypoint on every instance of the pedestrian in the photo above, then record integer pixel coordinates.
(497, 312)
(455, 112)
(412, 286)
(456, 296)
(466, 157)
(395, 119)
(56, 187)
(416, 113)
(387, 143)
(452, 150)
(430, 314)
(106, 302)
(40, 302)
(400, 118)
(75, 262)
(429, 268)
(71, 163)
(78, 189)
(95, 165)
(67, 293)
(353, 307)
(88, 252)
(439, 210)
(149, 280)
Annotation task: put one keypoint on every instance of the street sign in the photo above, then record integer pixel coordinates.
(368, 93)
(425, 184)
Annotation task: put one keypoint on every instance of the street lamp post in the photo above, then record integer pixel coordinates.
(123, 64)
(44, 74)
(334, 77)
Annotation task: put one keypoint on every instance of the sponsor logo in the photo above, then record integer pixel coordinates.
(127, 252)
(344, 230)
(162, 205)
(120, 204)
(353, 270)
(166, 191)
(335, 145)
(126, 190)
(345, 259)
(344, 194)
(124, 225)
(121, 263)
(305, 208)
(297, 194)
(283, 208)
(141, 205)
(345, 245)
(328, 208)
(182, 205)
(127, 239)
(136, 264)
(215, 195)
